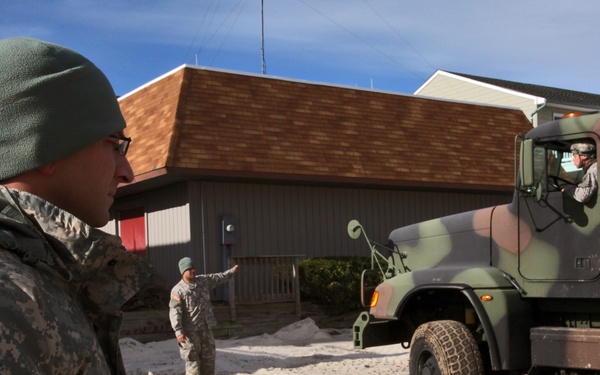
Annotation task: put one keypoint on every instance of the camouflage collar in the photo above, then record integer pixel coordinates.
(53, 236)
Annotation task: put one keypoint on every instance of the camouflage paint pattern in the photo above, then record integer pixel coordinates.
(527, 255)
(62, 285)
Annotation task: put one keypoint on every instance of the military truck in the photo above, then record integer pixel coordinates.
(507, 289)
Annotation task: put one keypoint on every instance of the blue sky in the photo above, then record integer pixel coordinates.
(382, 44)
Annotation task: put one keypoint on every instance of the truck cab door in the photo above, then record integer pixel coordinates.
(565, 234)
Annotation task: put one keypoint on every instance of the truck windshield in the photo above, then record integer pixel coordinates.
(552, 161)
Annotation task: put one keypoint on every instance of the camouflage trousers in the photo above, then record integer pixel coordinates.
(199, 353)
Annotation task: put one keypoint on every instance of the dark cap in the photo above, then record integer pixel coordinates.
(53, 102)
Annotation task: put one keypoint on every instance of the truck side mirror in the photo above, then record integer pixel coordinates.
(527, 171)
(354, 229)
(526, 167)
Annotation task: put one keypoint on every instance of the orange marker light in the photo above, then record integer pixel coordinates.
(375, 299)
(486, 298)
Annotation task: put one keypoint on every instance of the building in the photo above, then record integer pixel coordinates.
(289, 163)
(539, 103)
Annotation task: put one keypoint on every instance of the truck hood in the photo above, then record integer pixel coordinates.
(476, 220)
(467, 239)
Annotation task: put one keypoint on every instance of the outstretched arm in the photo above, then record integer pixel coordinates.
(217, 279)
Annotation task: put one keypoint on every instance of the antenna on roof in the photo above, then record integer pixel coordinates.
(262, 22)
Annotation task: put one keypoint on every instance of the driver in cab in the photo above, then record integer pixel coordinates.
(584, 156)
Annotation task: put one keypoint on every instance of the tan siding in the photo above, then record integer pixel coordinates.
(547, 114)
(282, 220)
(289, 220)
(456, 89)
(110, 227)
(168, 223)
(276, 219)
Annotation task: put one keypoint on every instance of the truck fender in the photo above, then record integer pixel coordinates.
(503, 319)
(395, 290)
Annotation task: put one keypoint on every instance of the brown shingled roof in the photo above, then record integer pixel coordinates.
(212, 124)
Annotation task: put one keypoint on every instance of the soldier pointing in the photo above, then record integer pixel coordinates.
(192, 317)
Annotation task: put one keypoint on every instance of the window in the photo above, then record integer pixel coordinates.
(553, 166)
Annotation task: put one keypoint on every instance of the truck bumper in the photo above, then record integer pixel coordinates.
(368, 332)
(565, 347)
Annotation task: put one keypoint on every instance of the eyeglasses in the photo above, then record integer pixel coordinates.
(123, 145)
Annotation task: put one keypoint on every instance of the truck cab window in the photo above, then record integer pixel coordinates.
(554, 166)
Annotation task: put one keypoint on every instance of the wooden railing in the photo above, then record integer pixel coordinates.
(263, 279)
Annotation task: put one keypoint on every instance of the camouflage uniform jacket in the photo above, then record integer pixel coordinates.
(62, 284)
(588, 186)
(190, 302)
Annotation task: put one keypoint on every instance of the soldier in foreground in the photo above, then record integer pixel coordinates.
(192, 316)
(62, 147)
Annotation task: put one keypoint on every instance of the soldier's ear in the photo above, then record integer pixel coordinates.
(48, 169)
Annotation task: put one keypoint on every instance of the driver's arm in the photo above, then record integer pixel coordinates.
(586, 189)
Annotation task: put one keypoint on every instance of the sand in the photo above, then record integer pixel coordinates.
(300, 348)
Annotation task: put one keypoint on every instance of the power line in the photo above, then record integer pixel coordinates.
(198, 31)
(362, 40)
(398, 34)
(209, 36)
(230, 28)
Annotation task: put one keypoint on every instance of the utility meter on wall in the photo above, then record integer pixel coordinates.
(228, 230)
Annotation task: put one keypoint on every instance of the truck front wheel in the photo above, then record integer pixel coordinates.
(444, 347)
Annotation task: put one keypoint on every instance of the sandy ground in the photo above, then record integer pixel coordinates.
(300, 348)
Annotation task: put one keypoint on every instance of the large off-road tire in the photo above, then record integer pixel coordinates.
(444, 347)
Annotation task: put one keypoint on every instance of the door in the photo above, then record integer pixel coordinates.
(132, 225)
(565, 240)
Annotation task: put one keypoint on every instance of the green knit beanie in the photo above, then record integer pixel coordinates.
(53, 102)
(185, 264)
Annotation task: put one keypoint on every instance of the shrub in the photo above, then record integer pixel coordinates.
(333, 282)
